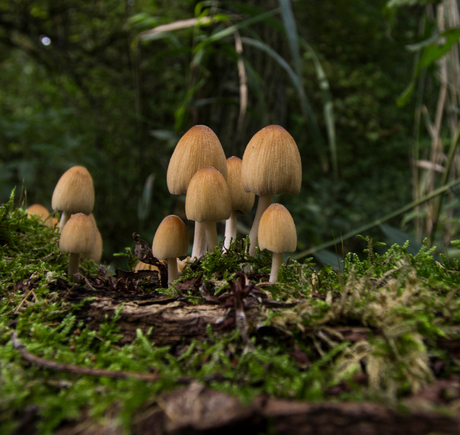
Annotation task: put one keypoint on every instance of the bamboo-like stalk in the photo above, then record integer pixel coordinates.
(379, 221)
(445, 176)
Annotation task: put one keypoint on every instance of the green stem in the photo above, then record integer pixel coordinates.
(383, 219)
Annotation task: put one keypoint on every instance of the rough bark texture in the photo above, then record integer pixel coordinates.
(172, 322)
(196, 409)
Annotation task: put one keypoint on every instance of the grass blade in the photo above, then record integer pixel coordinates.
(379, 221)
(291, 32)
(328, 108)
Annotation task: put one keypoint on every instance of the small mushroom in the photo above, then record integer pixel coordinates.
(74, 193)
(77, 237)
(96, 255)
(170, 241)
(277, 233)
(39, 210)
(242, 202)
(271, 165)
(42, 213)
(208, 201)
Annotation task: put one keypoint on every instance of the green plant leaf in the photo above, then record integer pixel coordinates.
(291, 32)
(400, 237)
(232, 29)
(430, 54)
(330, 258)
(433, 52)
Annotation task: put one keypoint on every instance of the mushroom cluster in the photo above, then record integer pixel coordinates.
(217, 189)
(74, 199)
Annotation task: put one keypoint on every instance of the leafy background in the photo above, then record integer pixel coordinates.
(113, 85)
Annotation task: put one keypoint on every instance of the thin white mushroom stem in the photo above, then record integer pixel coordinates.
(64, 218)
(277, 260)
(262, 205)
(173, 271)
(73, 263)
(230, 230)
(199, 242)
(211, 235)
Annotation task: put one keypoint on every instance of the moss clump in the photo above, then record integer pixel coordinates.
(372, 332)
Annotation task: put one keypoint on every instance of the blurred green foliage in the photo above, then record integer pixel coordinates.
(101, 96)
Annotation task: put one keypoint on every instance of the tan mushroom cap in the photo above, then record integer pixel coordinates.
(96, 255)
(171, 238)
(277, 231)
(208, 197)
(271, 163)
(74, 192)
(242, 201)
(39, 210)
(78, 235)
(198, 147)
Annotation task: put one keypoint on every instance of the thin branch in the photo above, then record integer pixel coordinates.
(118, 374)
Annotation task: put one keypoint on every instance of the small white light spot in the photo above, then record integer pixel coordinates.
(45, 40)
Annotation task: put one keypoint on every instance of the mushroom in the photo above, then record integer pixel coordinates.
(271, 165)
(208, 201)
(197, 148)
(74, 193)
(170, 241)
(42, 213)
(242, 202)
(77, 237)
(96, 255)
(277, 233)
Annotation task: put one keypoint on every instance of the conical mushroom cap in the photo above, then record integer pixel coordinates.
(242, 201)
(271, 163)
(171, 238)
(78, 235)
(277, 231)
(197, 148)
(208, 198)
(74, 192)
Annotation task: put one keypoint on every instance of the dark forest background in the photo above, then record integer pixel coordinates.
(112, 85)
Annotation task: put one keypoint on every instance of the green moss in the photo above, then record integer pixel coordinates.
(404, 304)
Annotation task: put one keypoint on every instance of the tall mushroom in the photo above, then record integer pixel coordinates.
(170, 241)
(271, 165)
(208, 201)
(74, 193)
(198, 147)
(77, 237)
(277, 233)
(242, 202)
